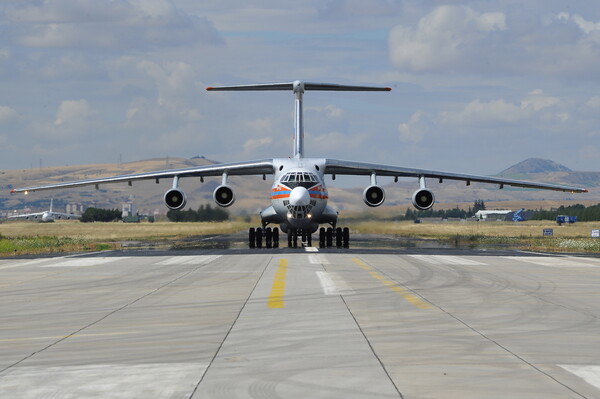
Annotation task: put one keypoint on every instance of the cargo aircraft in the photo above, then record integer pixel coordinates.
(299, 195)
(46, 216)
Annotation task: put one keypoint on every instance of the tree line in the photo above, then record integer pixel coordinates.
(92, 214)
(583, 213)
(203, 214)
(454, 213)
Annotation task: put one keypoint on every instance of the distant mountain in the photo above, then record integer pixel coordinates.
(545, 170)
(534, 165)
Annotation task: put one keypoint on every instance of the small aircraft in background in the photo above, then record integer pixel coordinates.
(46, 216)
(299, 195)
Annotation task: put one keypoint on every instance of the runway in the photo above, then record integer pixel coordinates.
(300, 324)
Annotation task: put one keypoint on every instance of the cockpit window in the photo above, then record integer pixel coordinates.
(300, 177)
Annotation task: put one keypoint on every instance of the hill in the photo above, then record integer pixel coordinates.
(533, 165)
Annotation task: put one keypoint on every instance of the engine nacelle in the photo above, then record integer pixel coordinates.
(423, 199)
(175, 199)
(374, 196)
(224, 196)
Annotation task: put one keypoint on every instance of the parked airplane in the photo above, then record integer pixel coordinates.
(46, 216)
(299, 194)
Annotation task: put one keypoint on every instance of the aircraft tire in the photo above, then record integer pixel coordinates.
(346, 237)
(268, 237)
(295, 238)
(259, 237)
(276, 237)
(322, 237)
(251, 237)
(338, 237)
(329, 237)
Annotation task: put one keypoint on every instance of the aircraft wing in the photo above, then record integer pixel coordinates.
(64, 215)
(340, 167)
(26, 215)
(260, 167)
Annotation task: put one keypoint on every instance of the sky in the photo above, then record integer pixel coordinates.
(477, 85)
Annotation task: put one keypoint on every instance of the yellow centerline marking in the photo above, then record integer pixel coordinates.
(277, 290)
(407, 295)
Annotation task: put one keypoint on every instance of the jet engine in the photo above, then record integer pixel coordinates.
(374, 195)
(224, 195)
(175, 199)
(423, 199)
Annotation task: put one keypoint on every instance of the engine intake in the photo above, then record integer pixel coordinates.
(224, 196)
(175, 199)
(423, 199)
(374, 196)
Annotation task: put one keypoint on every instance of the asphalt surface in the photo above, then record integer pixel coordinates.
(298, 323)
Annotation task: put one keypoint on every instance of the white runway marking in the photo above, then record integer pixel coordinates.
(590, 374)
(311, 249)
(167, 380)
(83, 262)
(559, 261)
(317, 260)
(447, 260)
(187, 260)
(333, 284)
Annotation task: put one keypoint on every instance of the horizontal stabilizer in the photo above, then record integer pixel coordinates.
(298, 86)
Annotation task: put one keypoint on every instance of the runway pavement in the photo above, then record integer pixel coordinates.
(300, 324)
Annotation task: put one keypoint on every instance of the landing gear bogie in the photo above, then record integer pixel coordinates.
(259, 236)
(341, 237)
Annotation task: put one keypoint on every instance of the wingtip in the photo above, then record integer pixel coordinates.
(585, 190)
(387, 88)
(209, 88)
(12, 191)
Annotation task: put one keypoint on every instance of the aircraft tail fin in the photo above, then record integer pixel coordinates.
(298, 87)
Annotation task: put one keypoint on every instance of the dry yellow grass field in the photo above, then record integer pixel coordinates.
(117, 231)
(486, 229)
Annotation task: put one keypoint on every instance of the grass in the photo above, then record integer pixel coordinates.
(17, 238)
(523, 235)
(73, 236)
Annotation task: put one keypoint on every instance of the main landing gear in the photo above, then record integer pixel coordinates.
(270, 237)
(341, 236)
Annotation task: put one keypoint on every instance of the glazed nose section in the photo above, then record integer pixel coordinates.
(299, 196)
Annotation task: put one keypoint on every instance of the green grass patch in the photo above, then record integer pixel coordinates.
(44, 244)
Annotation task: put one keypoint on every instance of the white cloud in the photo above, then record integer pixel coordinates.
(113, 25)
(252, 145)
(593, 102)
(7, 114)
(262, 125)
(534, 106)
(586, 26)
(72, 112)
(485, 113)
(442, 39)
(330, 110)
(416, 128)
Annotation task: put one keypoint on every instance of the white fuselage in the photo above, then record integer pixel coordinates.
(299, 195)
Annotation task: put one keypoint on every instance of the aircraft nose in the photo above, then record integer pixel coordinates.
(299, 196)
